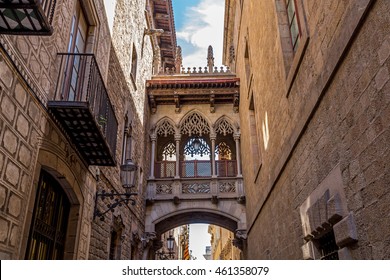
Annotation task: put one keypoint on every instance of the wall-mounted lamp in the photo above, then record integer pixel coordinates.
(127, 175)
(170, 246)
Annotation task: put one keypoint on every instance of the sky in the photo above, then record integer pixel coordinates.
(198, 23)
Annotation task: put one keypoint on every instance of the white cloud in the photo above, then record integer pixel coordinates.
(204, 27)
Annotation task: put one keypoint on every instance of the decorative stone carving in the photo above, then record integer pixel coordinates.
(164, 189)
(196, 188)
(195, 124)
(224, 127)
(147, 239)
(165, 128)
(227, 187)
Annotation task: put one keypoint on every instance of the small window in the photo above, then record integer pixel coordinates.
(247, 63)
(327, 246)
(127, 142)
(254, 143)
(134, 64)
(293, 22)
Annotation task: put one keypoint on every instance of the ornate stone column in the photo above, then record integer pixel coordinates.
(237, 139)
(177, 139)
(213, 137)
(153, 137)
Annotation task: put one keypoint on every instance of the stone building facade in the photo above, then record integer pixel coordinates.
(41, 162)
(314, 110)
(222, 244)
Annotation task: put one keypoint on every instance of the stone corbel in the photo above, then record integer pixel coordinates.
(236, 102)
(212, 103)
(240, 238)
(147, 239)
(177, 103)
(153, 104)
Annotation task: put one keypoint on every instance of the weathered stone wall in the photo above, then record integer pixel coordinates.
(128, 98)
(30, 141)
(330, 120)
(128, 31)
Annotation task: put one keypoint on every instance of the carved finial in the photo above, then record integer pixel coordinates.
(210, 59)
(178, 60)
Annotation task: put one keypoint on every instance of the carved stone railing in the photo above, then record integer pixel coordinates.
(167, 189)
(223, 70)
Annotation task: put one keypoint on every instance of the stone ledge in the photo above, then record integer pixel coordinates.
(345, 231)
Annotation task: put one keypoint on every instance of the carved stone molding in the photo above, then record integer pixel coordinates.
(147, 239)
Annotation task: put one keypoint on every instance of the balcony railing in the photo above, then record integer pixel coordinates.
(27, 17)
(165, 169)
(226, 168)
(195, 169)
(83, 109)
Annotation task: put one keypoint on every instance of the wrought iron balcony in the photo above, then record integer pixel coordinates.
(82, 108)
(26, 17)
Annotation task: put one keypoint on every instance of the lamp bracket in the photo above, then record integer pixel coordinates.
(117, 199)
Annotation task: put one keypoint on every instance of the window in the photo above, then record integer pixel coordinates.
(247, 63)
(293, 22)
(50, 219)
(115, 243)
(253, 139)
(134, 64)
(327, 246)
(127, 141)
(77, 45)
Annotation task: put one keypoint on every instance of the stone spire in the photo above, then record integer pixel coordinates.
(210, 59)
(178, 60)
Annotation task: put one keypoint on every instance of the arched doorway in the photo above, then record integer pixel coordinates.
(50, 220)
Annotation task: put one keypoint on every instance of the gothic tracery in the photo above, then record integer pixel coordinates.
(195, 124)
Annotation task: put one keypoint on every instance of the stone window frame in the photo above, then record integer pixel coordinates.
(292, 60)
(326, 209)
(127, 145)
(134, 63)
(257, 162)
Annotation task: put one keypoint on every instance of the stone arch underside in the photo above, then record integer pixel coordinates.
(195, 217)
(162, 216)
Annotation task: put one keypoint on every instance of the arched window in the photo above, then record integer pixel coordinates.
(169, 151)
(50, 219)
(196, 146)
(223, 151)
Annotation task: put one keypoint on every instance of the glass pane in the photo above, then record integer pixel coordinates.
(290, 11)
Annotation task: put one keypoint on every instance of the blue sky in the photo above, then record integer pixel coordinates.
(199, 23)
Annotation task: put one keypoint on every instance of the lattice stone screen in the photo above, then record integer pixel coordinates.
(196, 188)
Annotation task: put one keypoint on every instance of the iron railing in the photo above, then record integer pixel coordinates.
(27, 16)
(165, 169)
(80, 80)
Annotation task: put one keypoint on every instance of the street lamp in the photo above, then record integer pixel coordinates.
(127, 174)
(170, 246)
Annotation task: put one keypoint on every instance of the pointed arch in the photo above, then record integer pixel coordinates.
(165, 127)
(224, 125)
(194, 123)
